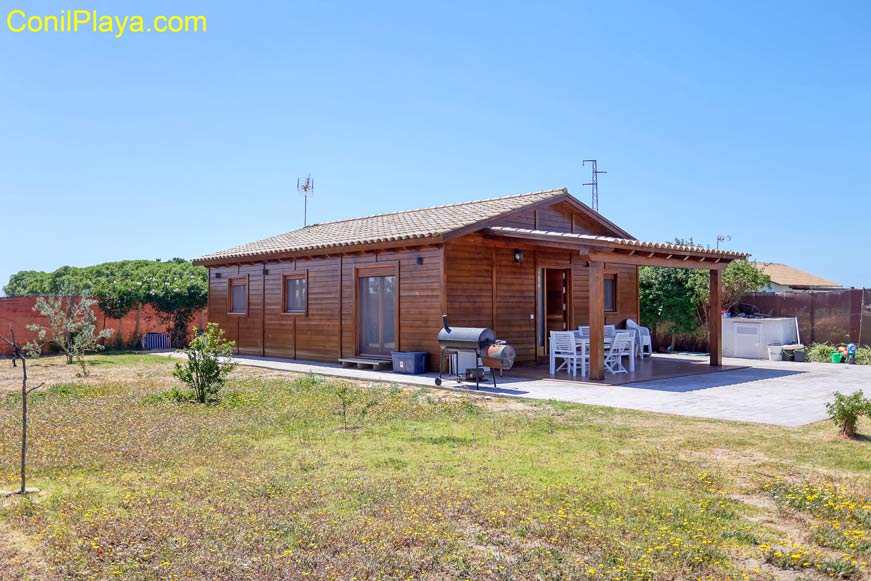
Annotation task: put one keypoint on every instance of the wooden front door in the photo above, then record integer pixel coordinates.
(553, 305)
(377, 314)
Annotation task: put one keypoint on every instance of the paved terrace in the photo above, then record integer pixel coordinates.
(766, 392)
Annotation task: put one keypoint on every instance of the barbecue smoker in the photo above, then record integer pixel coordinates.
(482, 342)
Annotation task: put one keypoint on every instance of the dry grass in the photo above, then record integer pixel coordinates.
(426, 484)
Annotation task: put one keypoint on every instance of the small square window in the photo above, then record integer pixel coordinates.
(610, 293)
(295, 293)
(239, 295)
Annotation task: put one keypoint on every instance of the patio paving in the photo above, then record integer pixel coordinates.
(767, 392)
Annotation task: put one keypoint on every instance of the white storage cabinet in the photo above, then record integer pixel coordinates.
(750, 338)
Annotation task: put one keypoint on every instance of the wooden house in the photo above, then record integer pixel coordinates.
(523, 265)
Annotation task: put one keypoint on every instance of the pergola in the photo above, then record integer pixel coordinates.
(601, 250)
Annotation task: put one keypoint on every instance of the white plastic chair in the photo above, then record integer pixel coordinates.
(609, 331)
(620, 346)
(643, 342)
(563, 346)
(584, 352)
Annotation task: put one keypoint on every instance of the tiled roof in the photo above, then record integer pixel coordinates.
(788, 276)
(395, 226)
(621, 242)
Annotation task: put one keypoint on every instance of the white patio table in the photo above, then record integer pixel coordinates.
(583, 344)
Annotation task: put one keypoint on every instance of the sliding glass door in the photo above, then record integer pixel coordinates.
(377, 314)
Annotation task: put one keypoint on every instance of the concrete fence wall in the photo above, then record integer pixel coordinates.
(18, 311)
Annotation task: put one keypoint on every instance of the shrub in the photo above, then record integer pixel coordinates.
(307, 381)
(846, 409)
(819, 352)
(204, 371)
(822, 353)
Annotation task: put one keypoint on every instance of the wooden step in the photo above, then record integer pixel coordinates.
(364, 362)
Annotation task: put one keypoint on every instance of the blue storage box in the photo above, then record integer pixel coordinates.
(410, 362)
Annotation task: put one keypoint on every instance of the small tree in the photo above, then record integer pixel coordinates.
(352, 399)
(667, 304)
(72, 326)
(739, 278)
(18, 355)
(208, 362)
(846, 409)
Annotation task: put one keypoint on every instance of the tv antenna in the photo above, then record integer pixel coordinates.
(723, 238)
(307, 188)
(595, 183)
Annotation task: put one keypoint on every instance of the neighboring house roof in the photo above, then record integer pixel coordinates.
(610, 242)
(424, 223)
(785, 275)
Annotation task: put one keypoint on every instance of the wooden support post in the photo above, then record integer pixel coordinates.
(597, 320)
(716, 318)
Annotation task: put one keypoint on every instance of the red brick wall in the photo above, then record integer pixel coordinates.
(19, 312)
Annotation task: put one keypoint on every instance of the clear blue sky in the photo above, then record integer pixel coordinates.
(748, 119)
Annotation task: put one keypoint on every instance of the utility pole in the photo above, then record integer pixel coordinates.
(595, 183)
(307, 188)
(723, 238)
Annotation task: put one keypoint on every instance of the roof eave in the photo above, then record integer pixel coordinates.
(338, 249)
(628, 250)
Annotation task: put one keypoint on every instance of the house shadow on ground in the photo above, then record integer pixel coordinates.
(711, 380)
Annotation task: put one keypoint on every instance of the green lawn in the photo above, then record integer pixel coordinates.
(423, 485)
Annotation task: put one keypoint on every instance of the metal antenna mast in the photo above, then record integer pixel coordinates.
(307, 189)
(594, 183)
(723, 238)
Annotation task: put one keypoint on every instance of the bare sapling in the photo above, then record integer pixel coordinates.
(19, 355)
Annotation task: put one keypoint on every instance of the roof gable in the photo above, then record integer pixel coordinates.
(564, 214)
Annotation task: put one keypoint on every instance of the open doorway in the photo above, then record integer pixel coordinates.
(553, 305)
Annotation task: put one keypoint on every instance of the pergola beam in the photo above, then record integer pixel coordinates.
(639, 260)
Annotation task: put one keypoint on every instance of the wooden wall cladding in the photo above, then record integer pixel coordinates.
(327, 330)
(487, 288)
(560, 217)
(279, 328)
(218, 301)
(317, 333)
(554, 219)
(627, 293)
(250, 325)
(469, 285)
(515, 302)
(520, 220)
